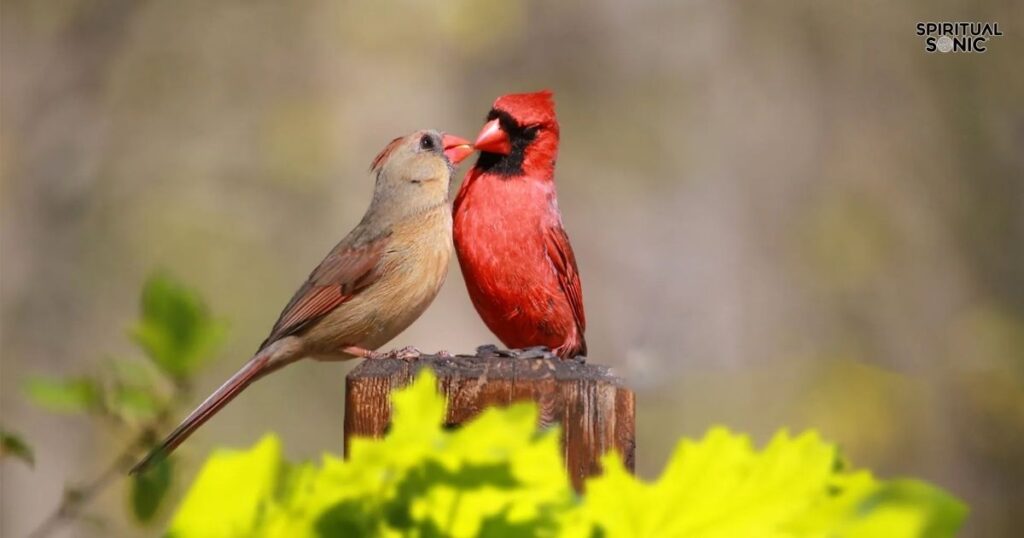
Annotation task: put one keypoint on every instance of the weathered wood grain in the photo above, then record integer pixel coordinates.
(595, 409)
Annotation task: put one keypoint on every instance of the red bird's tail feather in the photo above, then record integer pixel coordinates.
(256, 368)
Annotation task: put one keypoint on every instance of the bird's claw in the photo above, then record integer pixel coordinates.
(491, 351)
(444, 354)
(537, 352)
(534, 352)
(368, 354)
(407, 353)
(488, 351)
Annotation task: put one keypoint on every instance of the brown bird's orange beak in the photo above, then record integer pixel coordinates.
(456, 148)
(493, 139)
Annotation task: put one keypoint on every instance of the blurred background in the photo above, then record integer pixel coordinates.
(785, 215)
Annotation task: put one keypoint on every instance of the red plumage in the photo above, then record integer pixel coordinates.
(515, 256)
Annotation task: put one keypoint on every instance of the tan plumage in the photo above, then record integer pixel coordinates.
(372, 285)
(413, 266)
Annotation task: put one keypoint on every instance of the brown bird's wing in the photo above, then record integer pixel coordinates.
(350, 267)
(562, 258)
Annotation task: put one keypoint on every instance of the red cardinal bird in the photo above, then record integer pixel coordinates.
(515, 256)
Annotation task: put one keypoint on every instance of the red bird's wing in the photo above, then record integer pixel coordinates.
(562, 258)
(348, 269)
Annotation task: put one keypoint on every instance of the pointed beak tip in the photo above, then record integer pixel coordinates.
(493, 139)
(456, 148)
(457, 154)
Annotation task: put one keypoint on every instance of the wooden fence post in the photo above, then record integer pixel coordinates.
(594, 407)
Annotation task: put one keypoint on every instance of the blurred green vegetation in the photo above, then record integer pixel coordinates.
(497, 476)
(176, 330)
(13, 446)
(135, 398)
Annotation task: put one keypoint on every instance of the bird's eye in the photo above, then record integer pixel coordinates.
(427, 143)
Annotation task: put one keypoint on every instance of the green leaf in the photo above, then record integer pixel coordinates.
(498, 476)
(149, 489)
(794, 487)
(927, 510)
(176, 329)
(496, 472)
(12, 445)
(135, 373)
(134, 402)
(232, 491)
(65, 395)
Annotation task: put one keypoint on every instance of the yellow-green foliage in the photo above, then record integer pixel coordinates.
(497, 476)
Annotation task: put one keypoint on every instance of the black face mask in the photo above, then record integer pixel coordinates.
(519, 138)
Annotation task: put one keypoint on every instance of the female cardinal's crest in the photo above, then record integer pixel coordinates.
(378, 161)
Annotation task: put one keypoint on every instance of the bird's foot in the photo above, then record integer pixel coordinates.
(491, 352)
(444, 354)
(533, 352)
(364, 353)
(407, 353)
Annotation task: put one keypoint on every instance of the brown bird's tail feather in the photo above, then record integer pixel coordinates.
(257, 367)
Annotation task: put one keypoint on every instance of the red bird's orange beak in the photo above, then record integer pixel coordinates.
(493, 139)
(456, 148)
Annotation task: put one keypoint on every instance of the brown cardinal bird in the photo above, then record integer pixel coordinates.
(372, 285)
(515, 256)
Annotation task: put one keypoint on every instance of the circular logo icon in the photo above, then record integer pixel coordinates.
(944, 43)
